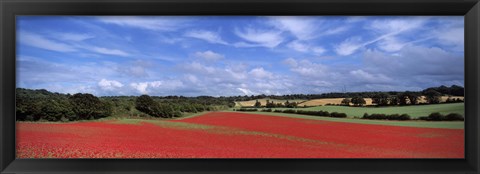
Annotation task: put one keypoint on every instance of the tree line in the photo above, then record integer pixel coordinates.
(453, 90)
(432, 96)
(34, 105)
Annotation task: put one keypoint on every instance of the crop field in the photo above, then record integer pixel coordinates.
(264, 102)
(414, 111)
(324, 101)
(234, 135)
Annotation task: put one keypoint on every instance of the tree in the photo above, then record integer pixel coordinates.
(394, 100)
(402, 98)
(433, 96)
(381, 99)
(358, 101)
(412, 97)
(145, 104)
(87, 106)
(270, 104)
(346, 102)
(57, 109)
(258, 104)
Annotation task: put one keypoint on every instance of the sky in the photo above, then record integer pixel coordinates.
(238, 55)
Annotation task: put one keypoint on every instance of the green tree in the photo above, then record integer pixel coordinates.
(411, 96)
(258, 104)
(433, 96)
(381, 99)
(270, 104)
(346, 102)
(358, 101)
(56, 109)
(87, 106)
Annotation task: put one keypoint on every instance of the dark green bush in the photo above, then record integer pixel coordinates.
(454, 117)
(247, 110)
(338, 115)
(386, 117)
(289, 111)
(266, 110)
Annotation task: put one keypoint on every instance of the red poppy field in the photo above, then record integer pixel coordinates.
(234, 135)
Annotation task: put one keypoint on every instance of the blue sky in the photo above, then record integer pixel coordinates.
(249, 55)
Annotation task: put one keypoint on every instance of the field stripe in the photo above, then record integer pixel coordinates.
(422, 124)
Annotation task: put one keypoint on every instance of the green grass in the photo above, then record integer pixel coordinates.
(413, 111)
(423, 124)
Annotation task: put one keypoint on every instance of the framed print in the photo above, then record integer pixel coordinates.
(241, 87)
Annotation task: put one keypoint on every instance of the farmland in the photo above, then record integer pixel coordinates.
(414, 111)
(327, 101)
(234, 135)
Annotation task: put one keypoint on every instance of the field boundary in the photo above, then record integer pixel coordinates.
(422, 124)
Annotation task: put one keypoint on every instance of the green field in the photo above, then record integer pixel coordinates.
(413, 111)
(412, 123)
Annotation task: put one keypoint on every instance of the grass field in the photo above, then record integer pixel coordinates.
(263, 102)
(412, 123)
(414, 111)
(234, 135)
(324, 101)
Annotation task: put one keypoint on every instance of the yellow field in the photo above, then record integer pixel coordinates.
(324, 101)
(264, 102)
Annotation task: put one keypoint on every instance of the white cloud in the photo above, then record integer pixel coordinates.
(74, 36)
(453, 36)
(191, 78)
(39, 41)
(157, 87)
(298, 46)
(109, 84)
(348, 46)
(264, 38)
(107, 51)
(303, 28)
(388, 30)
(148, 23)
(336, 30)
(260, 73)
(140, 87)
(246, 91)
(416, 61)
(198, 68)
(369, 77)
(307, 68)
(290, 62)
(209, 55)
(302, 47)
(208, 36)
(397, 25)
(391, 44)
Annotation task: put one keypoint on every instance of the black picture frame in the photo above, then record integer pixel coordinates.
(10, 8)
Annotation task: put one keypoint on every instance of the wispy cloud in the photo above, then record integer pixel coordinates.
(109, 85)
(40, 41)
(303, 28)
(191, 56)
(209, 36)
(148, 23)
(259, 37)
(388, 30)
(305, 48)
(209, 55)
(73, 36)
(107, 51)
